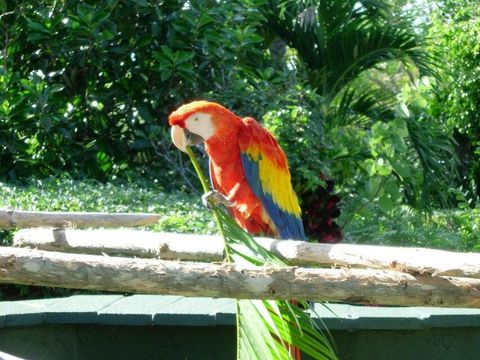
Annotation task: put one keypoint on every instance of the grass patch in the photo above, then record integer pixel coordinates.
(179, 212)
(184, 213)
(444, 229)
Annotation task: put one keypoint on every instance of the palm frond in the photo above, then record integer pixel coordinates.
(359, 106)
(339, 39)
(266, 329)
(435, 150)
(275, 322)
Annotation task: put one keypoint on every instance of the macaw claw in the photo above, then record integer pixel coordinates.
(216, 198)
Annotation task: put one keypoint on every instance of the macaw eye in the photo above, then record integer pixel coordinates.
(195, 119)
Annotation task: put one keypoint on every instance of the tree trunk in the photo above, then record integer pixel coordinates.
(34, 267)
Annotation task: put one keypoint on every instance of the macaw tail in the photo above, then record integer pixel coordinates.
(294, 350)
(296, 353)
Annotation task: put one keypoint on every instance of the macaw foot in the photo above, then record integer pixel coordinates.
(216, 198)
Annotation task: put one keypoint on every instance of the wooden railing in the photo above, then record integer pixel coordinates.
(192, 265)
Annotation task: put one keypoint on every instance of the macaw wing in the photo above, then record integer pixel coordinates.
(266, 169)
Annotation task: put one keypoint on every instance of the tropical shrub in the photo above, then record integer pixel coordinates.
(358, 56)
(87, 86)
(456, 31)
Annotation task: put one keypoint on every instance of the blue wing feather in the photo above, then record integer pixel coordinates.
(288, 225)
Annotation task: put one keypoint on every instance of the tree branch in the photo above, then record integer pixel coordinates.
(10, 219)
(171, 246)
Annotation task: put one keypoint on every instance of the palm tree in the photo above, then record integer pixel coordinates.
(339, 42)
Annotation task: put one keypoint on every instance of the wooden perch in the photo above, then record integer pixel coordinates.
(172, 246)
(151, 276)
(11, 219)
(167, 246)
(407, 259)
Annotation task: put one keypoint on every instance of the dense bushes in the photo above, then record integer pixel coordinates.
(87, 86)
(456, 30)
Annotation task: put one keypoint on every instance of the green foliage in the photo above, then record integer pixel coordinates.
(339, 40)
(404, 226)
(87, 86)
(6, 237)
(298, 127)
(378, 143)
(406, 158)
(267, 328)
(456, 31)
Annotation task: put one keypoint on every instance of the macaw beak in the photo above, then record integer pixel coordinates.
(182, 137)
(179, 138)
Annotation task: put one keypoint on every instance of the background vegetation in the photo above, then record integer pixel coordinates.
(376, 100)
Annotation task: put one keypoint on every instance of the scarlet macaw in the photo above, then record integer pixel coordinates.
(247, 166)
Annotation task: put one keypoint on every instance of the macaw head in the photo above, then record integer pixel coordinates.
(199, 121)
